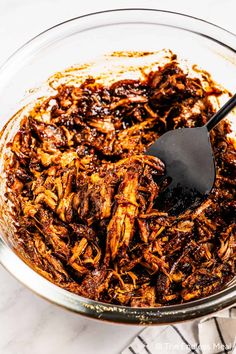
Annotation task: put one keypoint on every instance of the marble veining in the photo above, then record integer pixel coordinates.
(29, 324)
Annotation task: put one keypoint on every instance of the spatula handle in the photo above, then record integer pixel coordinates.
(228, 106)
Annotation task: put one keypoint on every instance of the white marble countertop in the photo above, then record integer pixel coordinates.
(29, 324)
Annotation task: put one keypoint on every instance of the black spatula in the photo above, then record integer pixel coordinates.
(189, 161)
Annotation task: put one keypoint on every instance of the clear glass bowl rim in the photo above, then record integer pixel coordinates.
(96, 309)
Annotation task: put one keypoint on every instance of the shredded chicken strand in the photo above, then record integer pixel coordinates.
(84, 193)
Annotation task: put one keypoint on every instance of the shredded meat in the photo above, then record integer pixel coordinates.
(84, 193)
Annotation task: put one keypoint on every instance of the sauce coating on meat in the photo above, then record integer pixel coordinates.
(84, 193)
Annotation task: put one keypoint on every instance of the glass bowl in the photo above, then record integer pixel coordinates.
(85, 39)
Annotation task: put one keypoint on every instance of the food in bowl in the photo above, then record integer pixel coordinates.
(83, 191)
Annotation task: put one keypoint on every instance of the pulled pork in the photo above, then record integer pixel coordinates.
(84, 193)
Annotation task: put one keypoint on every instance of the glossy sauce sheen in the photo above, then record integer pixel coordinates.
(84, 193)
